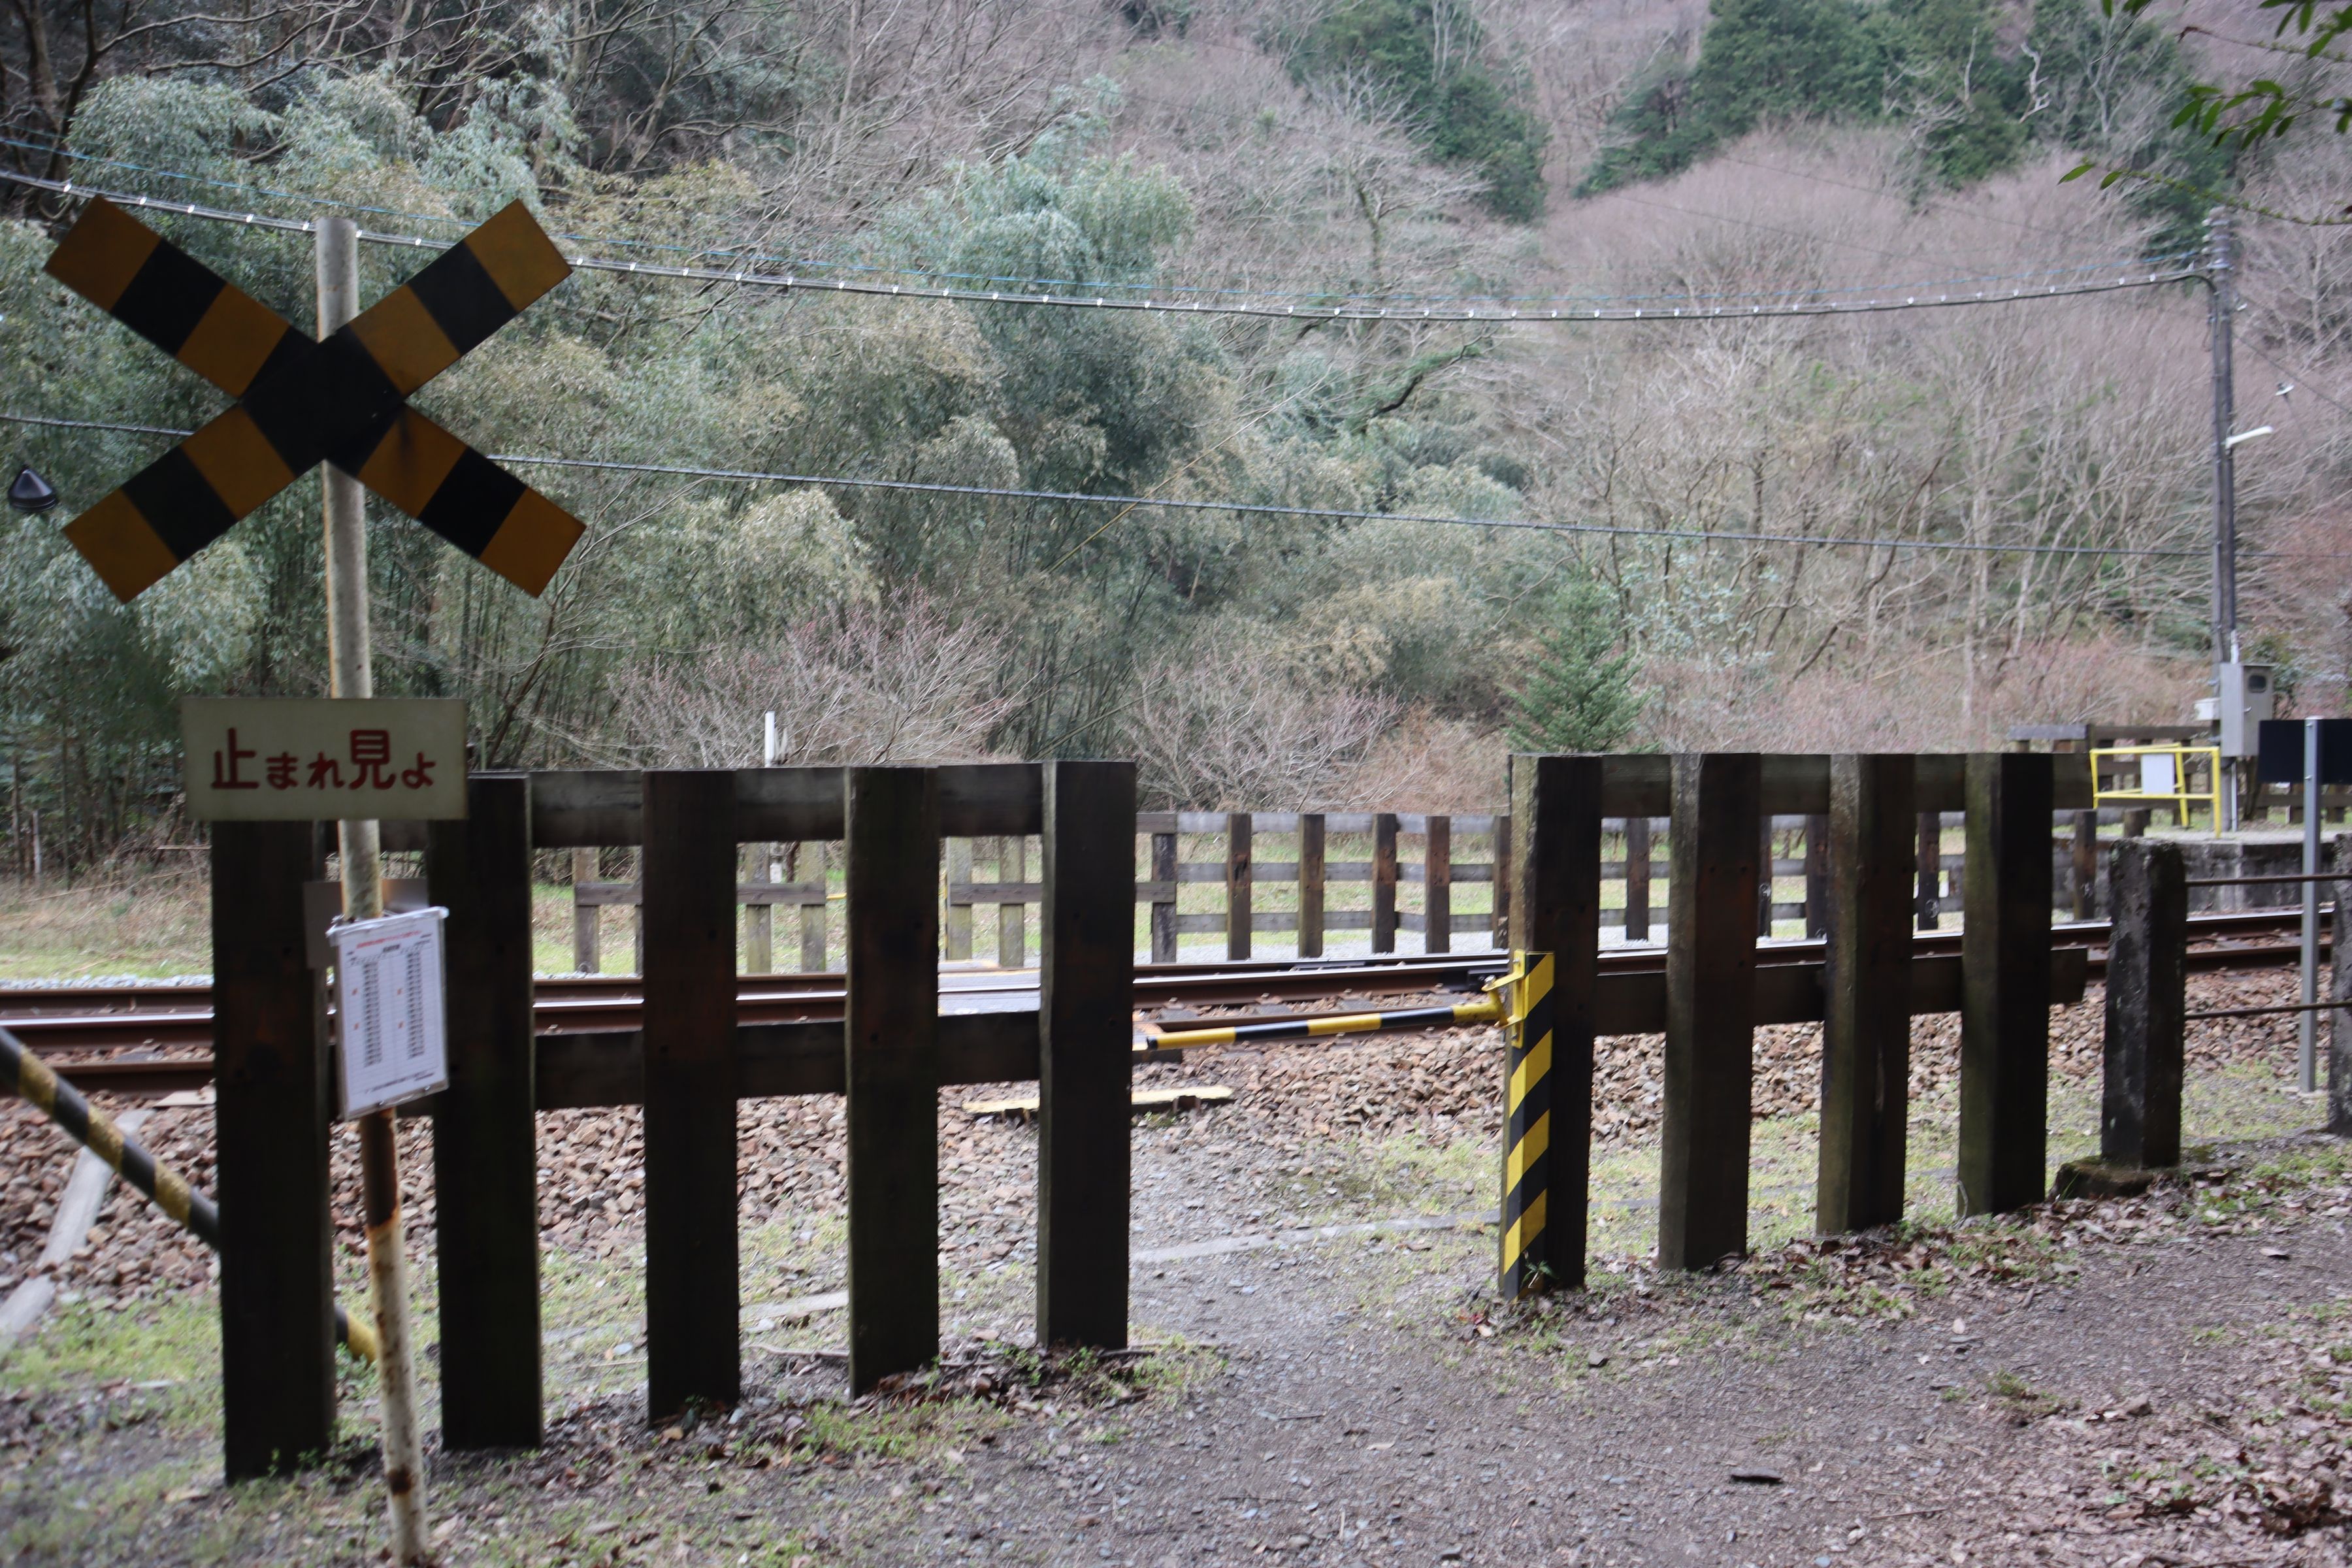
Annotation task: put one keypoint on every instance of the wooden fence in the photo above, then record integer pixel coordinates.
(892, 1052)
(1243, 873)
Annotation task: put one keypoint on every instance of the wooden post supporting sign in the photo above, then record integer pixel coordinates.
(270, 1072)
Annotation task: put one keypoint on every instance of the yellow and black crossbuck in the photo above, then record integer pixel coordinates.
(303, 402)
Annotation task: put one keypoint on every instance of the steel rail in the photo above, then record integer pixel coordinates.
(60, 1020)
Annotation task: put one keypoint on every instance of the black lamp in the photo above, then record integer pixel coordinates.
(30, 493)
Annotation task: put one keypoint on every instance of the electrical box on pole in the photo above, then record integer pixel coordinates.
(2243, 700)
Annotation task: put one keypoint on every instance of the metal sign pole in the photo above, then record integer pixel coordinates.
(2307, 1025)
(349, 675)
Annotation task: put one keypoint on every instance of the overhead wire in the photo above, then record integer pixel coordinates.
(1247, 508)
(1031, 283)
(1898, 297)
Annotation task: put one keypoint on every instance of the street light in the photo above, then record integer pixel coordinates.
(31, 494)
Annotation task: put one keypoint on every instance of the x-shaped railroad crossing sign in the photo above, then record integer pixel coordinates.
(303, 402)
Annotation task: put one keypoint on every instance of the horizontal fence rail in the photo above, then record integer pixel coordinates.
(983, 809)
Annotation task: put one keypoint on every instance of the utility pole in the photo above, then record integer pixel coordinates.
(349, 675)
(2223, 304)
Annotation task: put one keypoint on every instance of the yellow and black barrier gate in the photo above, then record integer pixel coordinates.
(1527, 1147)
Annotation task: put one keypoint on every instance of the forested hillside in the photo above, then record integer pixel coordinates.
(1225, 163)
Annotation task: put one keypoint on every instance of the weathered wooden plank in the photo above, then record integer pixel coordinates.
(1310, 885)
(1500, 933)
(1086, 998)
(2148, 1004)
(1637, 873)
(1437, 885)
(1163, 903)
(2005, 1015)
(1555, 881)
(1238, 871)
(979, 798)
(960, 901)
(1929, 900)
(1866, 847)
(270, 1073)
(1012, 919)
(1816, 865)
(484, 1127)
(2084, 881)
(813, 953)
(1798, 783)
(1710, 1008)
(693, 1351)
(751, 895)
(1384, 882)
(587, 945)
(891, 1039)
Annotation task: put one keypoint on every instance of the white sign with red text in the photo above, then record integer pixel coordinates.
(295, 759)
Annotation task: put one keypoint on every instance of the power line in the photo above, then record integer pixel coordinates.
(1247, 509)
(1900, 297)
(1154, 290)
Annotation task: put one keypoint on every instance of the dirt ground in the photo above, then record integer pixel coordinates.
(1327, 1380)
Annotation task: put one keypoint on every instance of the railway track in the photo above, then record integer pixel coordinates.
(151, 1030)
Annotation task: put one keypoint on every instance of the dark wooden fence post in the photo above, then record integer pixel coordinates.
(959, 915)
(485, 1130)
(1013, 920)
(1238, 848)
(2086, 865)
(1637, 879)
(891, 1034)
(1437, 886)
(1499, 932)
(2147, 998)
(2005, 983)
(1554, 877)
(1163, 910)
(270, 1075)
(587, 941)
(1711, 931)
(1867, 989)
(1085, 996)
(693, 1347)
(1931, 870)
(1384, 882)
(1310, 884)
(812, 864)
(2339, 977)
(1817, 875)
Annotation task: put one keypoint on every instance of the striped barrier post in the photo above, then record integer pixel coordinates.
(1527, 1163)
(158, 1182)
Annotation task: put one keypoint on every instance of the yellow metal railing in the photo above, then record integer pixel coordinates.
(2179, 796)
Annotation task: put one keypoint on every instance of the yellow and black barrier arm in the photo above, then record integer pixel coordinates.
(1485, 1010)
(96, 1131)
